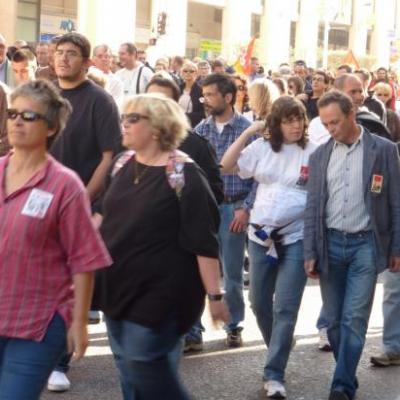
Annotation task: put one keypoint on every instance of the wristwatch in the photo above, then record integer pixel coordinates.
(215, 297)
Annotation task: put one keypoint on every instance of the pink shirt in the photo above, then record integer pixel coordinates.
(46, 236)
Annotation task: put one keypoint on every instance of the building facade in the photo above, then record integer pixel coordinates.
(286, 29)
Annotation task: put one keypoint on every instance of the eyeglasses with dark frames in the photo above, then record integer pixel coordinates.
(133, 118)
(26, 115)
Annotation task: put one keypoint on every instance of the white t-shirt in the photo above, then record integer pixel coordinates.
(185, 101)
(220, 126)
(115, 87)
(287, 168)
(129, 77)
(317, 132)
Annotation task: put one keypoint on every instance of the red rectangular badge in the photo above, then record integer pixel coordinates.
(377, 182)
(303, 178)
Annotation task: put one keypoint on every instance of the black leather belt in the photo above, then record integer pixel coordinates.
(350, 234)
(234, 198)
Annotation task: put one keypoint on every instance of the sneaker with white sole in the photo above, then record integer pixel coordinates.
(275, 390)
(58, 382)
(385, 359)
(323, 343)
(193, 344)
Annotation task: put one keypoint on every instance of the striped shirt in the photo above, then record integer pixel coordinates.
(233, 185)
(46, 237)
(345, 208)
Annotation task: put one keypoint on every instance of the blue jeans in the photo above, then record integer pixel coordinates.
(347, 290)
(391, 312)
(322, 321)
(147, 360)
(25, 365)
(276, 316)
(232, 247)
(63, 363)
(196, 330)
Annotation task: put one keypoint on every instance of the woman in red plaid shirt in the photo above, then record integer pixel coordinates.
(46, 268)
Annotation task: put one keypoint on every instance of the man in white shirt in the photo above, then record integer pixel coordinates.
(134, 75)
(102, 58)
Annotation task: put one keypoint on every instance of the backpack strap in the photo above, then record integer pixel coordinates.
(121, 161)
(138, 79)
(175, 170)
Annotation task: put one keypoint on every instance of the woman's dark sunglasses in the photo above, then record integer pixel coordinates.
(240, 88)
(133, 118)
(26, 115)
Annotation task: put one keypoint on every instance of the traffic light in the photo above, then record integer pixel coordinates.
(161, 23)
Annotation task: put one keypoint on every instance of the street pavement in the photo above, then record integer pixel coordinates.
(235, 374)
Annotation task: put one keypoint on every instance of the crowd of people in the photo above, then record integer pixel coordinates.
(131, 189)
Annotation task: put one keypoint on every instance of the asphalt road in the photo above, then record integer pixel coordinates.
(235, 374)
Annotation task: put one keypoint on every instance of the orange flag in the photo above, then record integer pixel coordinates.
(351, 60)
(243, 63)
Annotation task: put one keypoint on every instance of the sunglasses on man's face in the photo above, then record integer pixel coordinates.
(26, 115)
(133, 118)
(189, 71)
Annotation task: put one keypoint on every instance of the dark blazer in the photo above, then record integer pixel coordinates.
(10, 81)
(198, 110)
(380, 158)
(372, 124)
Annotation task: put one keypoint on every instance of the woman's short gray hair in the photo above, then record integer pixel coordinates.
(45, 93)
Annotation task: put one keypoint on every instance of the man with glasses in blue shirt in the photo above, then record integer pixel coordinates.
(221, 129)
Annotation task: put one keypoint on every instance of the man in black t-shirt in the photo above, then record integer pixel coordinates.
(90, 138)
(93, 132)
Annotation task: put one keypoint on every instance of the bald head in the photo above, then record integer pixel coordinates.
(351, 85)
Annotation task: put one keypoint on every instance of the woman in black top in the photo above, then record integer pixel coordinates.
(191, 94)
(320, 84)
(160, 224)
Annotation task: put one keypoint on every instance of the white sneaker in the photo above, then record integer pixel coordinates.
(58, 382)
(275, 390)
(323, 343)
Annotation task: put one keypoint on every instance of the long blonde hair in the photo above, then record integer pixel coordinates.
(262, 93)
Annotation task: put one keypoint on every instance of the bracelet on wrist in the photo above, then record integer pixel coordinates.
(215, 297)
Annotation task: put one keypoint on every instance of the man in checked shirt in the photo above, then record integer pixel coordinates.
(221, 129)
(352, 229)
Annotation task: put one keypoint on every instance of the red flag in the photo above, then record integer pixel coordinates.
(351, 60)
(243, 63)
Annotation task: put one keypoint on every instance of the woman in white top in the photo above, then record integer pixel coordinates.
(279, 163)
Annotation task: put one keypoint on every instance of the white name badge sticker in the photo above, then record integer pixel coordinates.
(37, 204)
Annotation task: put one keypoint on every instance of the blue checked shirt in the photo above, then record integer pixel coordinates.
(233, 185)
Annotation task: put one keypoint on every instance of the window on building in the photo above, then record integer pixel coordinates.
(293, 27)
(255, 25)
(28, 19)
(369, 37)
(338, 39)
